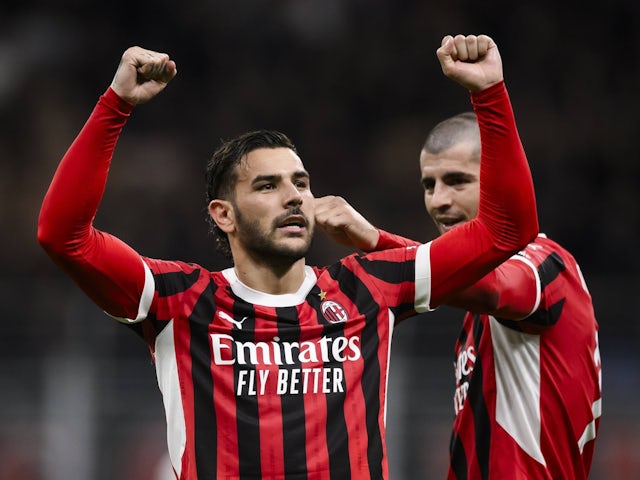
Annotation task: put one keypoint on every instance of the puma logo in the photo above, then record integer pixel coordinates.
(232, 320)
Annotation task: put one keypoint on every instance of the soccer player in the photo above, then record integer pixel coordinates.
(527, 366)
(273, 368)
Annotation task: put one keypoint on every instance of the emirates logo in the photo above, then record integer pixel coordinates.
(333, 312)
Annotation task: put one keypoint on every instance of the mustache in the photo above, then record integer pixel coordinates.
(294, 211)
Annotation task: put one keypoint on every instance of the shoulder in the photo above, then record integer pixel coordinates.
(543, 249)
(158, 266)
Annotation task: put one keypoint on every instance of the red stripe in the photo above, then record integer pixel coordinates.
(315, 406)
(225, 405)
(269, 405)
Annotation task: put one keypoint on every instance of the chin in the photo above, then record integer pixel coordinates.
(448, 228)
(293, 250)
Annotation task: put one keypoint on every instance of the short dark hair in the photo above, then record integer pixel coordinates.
(453, 130)
(222, 174)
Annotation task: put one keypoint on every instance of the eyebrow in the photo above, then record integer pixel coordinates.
(458, 174)
(449, 176)
(271, 178)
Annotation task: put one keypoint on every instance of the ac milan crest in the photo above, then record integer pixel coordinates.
(333, 312)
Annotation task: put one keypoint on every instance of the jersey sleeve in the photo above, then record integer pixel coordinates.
(110, 272)
(507, 217)
(388, 240)
(511, 291)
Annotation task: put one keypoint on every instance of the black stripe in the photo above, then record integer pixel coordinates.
(476, 402)
(148, 329)
(458, 460)
(548, 271)
(293, 412)
(541, 317)
(205, 427)
(167, 284)
(388, 270)
(171, 283)
(336, 433)
(367, 305)
(475, 399)
(247, 412)
(550, 268)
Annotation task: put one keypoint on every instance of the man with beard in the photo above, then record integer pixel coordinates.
(273, 368)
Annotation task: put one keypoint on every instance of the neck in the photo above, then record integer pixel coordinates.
(274, 280)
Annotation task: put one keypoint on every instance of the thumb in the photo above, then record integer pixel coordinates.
(446, 52)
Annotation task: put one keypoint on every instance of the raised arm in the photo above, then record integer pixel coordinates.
(507, 217)
(110, 272)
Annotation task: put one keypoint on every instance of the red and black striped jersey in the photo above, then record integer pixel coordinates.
(281, 387)
(256, 385)
(528, 392)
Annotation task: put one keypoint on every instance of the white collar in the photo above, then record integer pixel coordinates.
(267, 299)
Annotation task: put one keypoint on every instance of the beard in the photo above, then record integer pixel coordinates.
(264, 246)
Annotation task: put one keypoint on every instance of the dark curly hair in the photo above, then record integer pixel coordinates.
(222, 174)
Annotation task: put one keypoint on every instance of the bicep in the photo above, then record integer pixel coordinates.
(112, 274)
(511, 291)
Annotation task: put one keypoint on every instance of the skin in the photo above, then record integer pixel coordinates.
(451, 181)
(269, 221)
(142, 74)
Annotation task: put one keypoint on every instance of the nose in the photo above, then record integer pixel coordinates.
(292, 195)
(440, 198)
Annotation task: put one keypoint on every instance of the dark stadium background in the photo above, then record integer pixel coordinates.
(356, 84)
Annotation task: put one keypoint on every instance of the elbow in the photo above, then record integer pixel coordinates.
(51, 238)
(513, 237)
(527, 232)
(46, 237)
(532, 227)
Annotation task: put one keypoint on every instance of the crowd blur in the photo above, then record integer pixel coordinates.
(356, 85)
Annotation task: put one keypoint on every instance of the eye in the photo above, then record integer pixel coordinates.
(265, 187)
(428, 185)
(459, 182)
(301, 184)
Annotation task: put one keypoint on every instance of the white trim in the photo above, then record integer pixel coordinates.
(269, 300)
(169, 384)
(536, 276)
(392, 319)
(146, 297)
(590, 430)
(517, 370)
(423, 278)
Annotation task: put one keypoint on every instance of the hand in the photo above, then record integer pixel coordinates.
(343, 224)
(142, 74)
(472, 61)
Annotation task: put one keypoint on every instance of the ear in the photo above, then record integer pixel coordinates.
(221, 212)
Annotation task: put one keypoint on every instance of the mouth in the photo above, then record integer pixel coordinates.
(292, 224)
(449, 223)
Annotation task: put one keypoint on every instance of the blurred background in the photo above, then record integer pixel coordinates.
(356, 84)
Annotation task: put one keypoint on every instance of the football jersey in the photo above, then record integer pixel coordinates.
(289, 386)
(527, 401)
(257, 384)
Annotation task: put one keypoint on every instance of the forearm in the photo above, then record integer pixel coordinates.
(110, 272)
(507, 217)
(77, 187)
(388, 240)
(507, 200)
